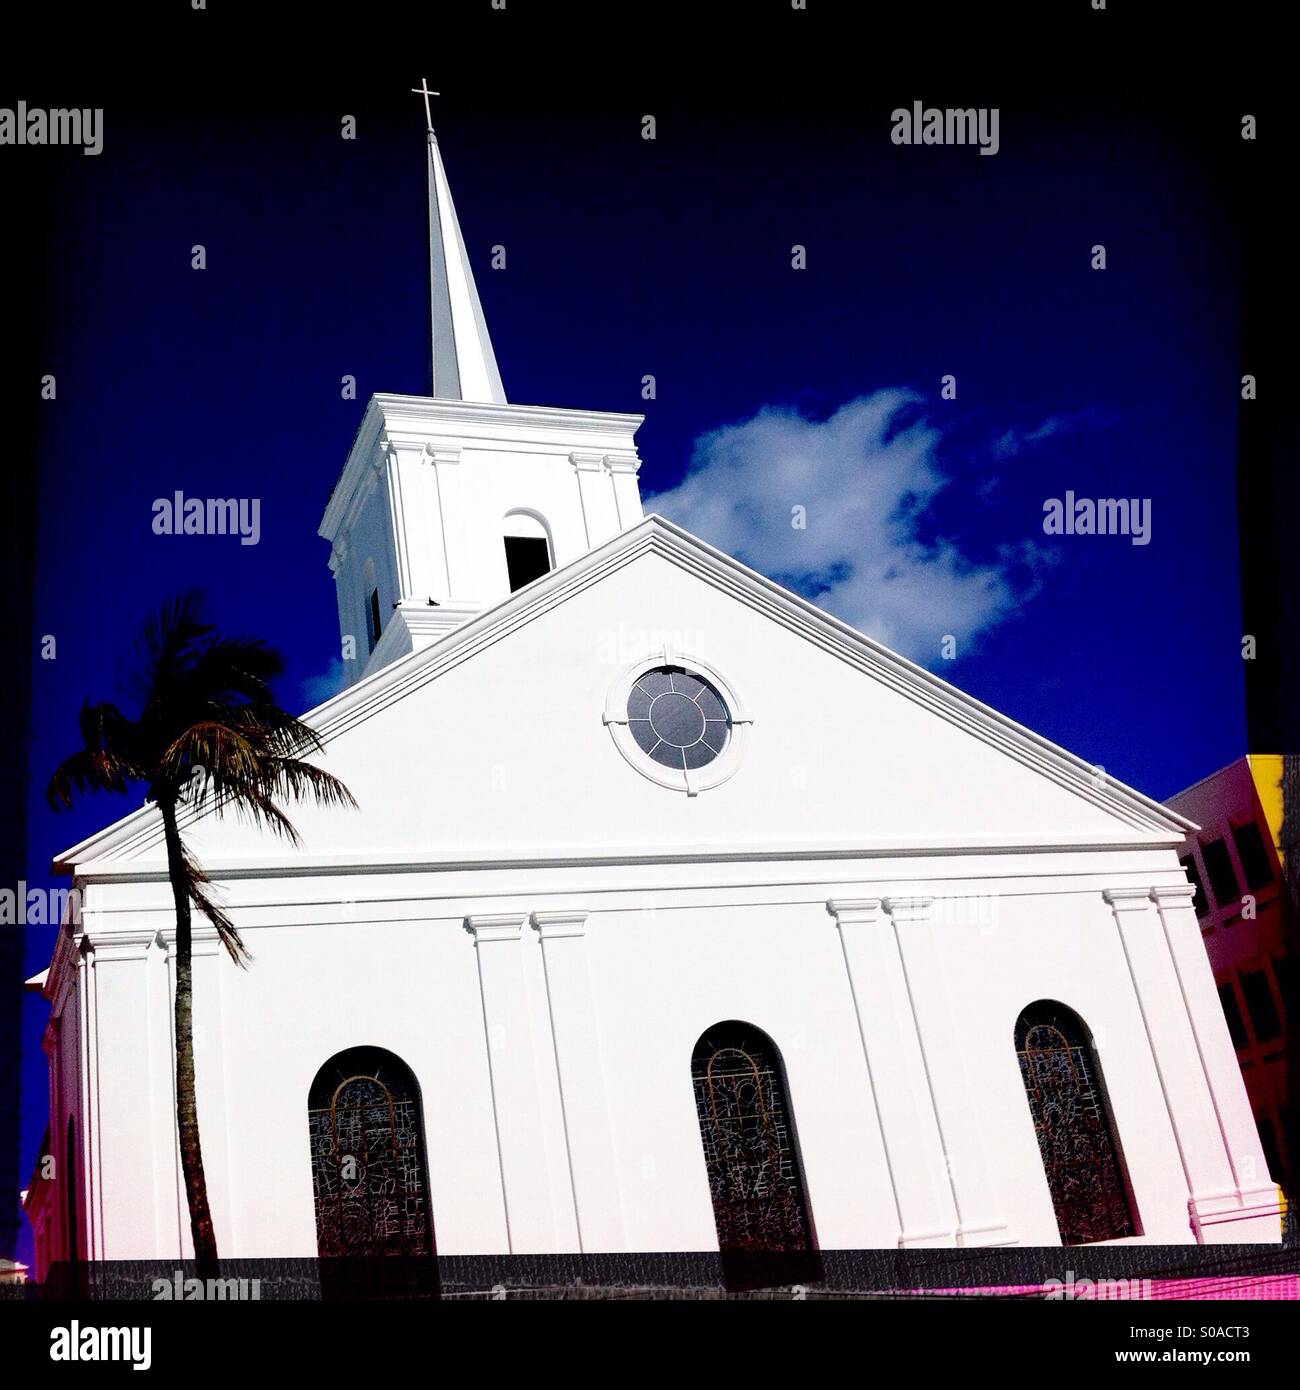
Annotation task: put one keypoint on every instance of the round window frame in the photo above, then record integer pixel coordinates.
(692, 781)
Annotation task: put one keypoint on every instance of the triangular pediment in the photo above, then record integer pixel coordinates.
(896, 757)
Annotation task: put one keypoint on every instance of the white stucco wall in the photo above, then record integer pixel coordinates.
(517, 913)
(669, 951)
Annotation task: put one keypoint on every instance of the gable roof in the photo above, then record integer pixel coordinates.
(656, 535)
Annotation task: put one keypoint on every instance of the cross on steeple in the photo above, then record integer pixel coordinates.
(463, 366)
(423, 90)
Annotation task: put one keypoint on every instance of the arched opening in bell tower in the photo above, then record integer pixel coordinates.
(529, 552)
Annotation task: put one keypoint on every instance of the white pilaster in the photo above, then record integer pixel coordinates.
(895, 1072)
(209, 963)
(344, 598)
(171, 1215)
(122, 1148)
(1255, 1195)
(401, 459)
(444, 517)
(980, 1218)
(623, 469)
(599, 514)
(525, 1176)
(90, 1179)
(592, 1161)
(1208, 1177)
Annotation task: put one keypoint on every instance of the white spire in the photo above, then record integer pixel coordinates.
(464, 365)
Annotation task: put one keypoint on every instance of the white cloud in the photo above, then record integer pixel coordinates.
(1014, 442)
(865, 477)
(315, 690)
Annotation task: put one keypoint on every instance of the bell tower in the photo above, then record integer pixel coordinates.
(448, 503)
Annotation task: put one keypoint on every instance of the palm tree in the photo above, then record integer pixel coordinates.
(209, 733)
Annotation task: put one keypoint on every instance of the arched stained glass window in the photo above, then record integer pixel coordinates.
(751, 1154)
(368, 1157)
(1076, 1135)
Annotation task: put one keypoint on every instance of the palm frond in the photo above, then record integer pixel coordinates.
(247, 760)
(230, 757)
(242, 664)
(198, 888)
(170, 640)
(210, 735)
(82, 771)
(105, 762)
(258, 806)
(285, 733)
(296, 779)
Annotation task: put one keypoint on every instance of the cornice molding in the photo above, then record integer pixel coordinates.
(399, 441)
(426, 420)
(914, 855)
(1173, 894)
(108, 946)
(854, 911)
(1127, 899)
(908, 909)
(571, 922)
(439, 411)
(492, 927)
(204, 940)
(433, 620)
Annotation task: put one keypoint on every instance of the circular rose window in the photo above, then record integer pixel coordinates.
(677, 721)
(677, 718)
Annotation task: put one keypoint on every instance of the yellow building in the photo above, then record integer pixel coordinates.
(1236, 863)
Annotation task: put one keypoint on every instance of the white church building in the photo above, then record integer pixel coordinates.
(676, 915)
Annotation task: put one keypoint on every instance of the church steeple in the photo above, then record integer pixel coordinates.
(464, 367)
(449, 503)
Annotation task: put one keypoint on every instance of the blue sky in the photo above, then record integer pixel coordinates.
(775, 387)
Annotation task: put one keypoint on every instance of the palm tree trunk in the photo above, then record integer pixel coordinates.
(187, 1113)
